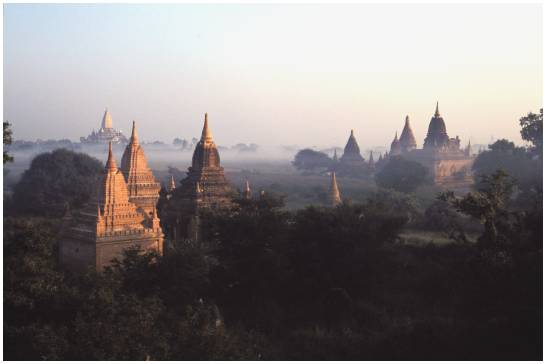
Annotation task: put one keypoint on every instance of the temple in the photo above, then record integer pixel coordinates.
(351, 153)
(106, 133)
(204, 187)
(449, 165)
(98, 233)
(141, 184)
(334, 197)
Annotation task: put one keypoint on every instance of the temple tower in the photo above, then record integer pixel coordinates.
(204, 187)
(407, 139)
(141, 183)
(396, 149)
(334, 197)
(351, 153)
(437, 137)
(100, 231)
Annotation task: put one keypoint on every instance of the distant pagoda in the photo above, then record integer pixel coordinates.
(98, 233)
(106, 133)
(143, 187)
(351, 153)
(407, 139)
(205, 186)
(334, 197)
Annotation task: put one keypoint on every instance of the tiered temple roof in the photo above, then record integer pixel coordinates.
(437, 137)
(407, 139)
(396, 149)
(141, 183)
(205, 186)
(99, 232)
(351, 153)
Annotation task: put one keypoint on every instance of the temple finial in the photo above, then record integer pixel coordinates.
(134, 134)
(407, 119)
(437, 112)
(111, 162)
(396, 135)
(206, 135)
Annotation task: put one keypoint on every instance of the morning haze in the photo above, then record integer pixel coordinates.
(272, 75)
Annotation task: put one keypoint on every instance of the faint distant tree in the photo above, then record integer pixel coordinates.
(516, 161)
(402, 175)
(7, 141)
(310, 160)
(531, 131)
(54, 180)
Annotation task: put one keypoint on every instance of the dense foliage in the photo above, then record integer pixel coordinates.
(531, 131)
(402, 175)
(516, 161)
(55, 180)
(7, 141)
(312, 161)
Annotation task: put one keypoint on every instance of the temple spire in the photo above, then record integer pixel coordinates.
(111, 162)
(106, 120)
(172, 184)
(371, 161)
(206, 135)
(247, 193)
(396, 136)
(334, 195)
(437, 112)
(134, 134)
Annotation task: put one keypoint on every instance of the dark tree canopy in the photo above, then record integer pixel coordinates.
(402, 175)
(531, 130)
(7, 141)
(311, 160)
(515, 161)
(56, 179)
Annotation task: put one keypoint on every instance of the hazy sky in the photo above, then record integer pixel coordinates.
(272, 74)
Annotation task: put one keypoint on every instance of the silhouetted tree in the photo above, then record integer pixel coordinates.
(312, 161)
(7, 142)
(531, 130)
(56, 179)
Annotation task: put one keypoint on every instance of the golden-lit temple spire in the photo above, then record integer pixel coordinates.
(437, 112)
(111, 162)
(334, 195)
(206, 135)
(134, 134)
(106, 120)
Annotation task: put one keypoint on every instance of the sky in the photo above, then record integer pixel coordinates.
(272, 74)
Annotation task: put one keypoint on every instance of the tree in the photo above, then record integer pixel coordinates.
(531, 130)
(310, 160)
(7, 141)
(56, 179)
(515, 161)
(402, 175)
(488, 204)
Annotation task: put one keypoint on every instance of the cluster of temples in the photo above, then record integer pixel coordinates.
(124, 213)
(448, 164)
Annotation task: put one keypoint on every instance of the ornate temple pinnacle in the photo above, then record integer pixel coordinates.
(134, 134)
(206, 135)
(111, 162)
(407, 120)
(106, 120)
(437, 112)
